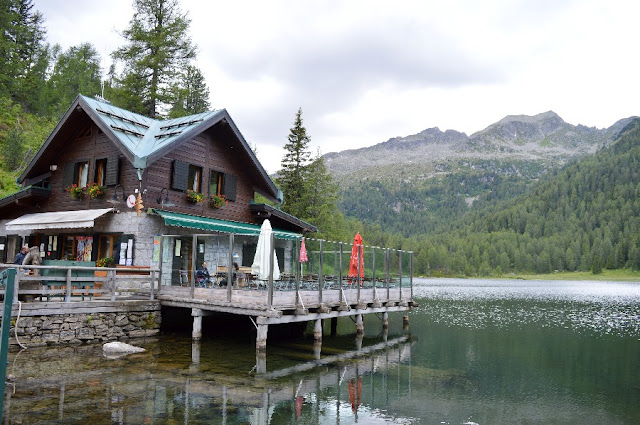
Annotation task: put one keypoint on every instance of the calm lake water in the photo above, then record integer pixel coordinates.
(476, 352)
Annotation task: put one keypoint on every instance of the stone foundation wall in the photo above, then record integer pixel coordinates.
(84, 328)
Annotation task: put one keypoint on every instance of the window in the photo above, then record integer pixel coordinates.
(194, 181)
(189, 176)
(215, 183)
(105, 172)
(77, 248)
(222, 184)
(101, 172)
(106, 244)
(81, 174)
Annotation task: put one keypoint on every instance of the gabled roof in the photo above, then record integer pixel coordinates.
(144, 140)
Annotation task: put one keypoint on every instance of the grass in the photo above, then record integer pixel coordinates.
(622, 275)
(626, 275)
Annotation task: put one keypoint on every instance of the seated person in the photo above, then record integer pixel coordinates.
(223, 282)
(202, 275)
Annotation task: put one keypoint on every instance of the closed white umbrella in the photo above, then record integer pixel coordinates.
(260, 266)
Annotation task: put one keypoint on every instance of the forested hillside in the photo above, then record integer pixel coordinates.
(419, 183)
(584, 217)
(39, 81)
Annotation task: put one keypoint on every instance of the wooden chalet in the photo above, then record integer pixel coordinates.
(112, 159)
(127, 154)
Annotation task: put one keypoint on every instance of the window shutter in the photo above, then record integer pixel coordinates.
(67, 174)
(111, 176)
(230, 183)
(180, 178)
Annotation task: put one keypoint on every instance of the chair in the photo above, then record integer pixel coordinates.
(184, 278)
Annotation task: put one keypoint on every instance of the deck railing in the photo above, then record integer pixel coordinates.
(77, 283)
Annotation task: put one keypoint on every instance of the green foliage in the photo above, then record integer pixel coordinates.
(191, 95)
(293, 176)
(23, 56)
(76, 71)
(583, 217)
(158, 48)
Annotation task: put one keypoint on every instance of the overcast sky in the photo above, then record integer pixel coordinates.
(366, 71)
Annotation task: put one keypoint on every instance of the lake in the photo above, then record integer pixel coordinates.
(476, 352)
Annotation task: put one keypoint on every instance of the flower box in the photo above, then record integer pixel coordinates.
(218, 201)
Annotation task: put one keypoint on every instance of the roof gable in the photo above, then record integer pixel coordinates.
(144, 140)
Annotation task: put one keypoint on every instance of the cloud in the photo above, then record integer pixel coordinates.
(365, 71)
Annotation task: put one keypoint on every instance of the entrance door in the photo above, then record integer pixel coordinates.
(181, 271)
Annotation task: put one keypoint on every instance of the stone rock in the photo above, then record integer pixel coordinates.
(113, 350)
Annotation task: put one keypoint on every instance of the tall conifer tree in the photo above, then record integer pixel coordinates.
(157, 48)
(293, 175)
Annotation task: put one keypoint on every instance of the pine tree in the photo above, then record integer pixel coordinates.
(292, 178)
(77, 71)
(158, 47)
(191, 95)
(23, 54)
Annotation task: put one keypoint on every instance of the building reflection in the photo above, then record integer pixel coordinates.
(328, 389)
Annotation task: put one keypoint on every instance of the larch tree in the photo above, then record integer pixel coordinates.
(157, 48)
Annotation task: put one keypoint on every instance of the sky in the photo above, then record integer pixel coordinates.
(366, 71)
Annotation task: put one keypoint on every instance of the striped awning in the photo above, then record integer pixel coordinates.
(57, 220)
(215, 225)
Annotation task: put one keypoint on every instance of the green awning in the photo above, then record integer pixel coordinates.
(214, 225)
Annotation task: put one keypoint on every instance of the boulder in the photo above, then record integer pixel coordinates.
(113, 350)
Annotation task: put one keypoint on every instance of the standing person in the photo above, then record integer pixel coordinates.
(19, 258)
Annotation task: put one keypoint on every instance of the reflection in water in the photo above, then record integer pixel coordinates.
(176, 382)
(483, 352)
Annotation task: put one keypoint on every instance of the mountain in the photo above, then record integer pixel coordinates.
(416, 183)
(585, 216)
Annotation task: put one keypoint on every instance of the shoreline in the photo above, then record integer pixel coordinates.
(620, 275)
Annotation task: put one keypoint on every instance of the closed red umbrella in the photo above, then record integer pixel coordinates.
(353, 263)
(303, 256)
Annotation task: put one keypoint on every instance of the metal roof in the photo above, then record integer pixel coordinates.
(144, 136)
(144, 140)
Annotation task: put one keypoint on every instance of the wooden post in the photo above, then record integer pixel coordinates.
(359, 338)
(400, 273)
(161, 253)
(297, 273)
(67, 297)
(153, 278)
(320, 276)
(385, 320)
(230, 268)
(317, 330)
(358, 281)
(196, 332)
(17, 285)
(261, 338)
(359, 324)
(112, 281)
(405, 322)
(340, 275)
(195, 352)
(411, 274)
(192, 276)
(261, 362)
(272, 252)
(387, 278)
(317, 349)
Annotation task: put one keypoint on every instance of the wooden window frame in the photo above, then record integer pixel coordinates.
(100, 172)
(194, 178)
